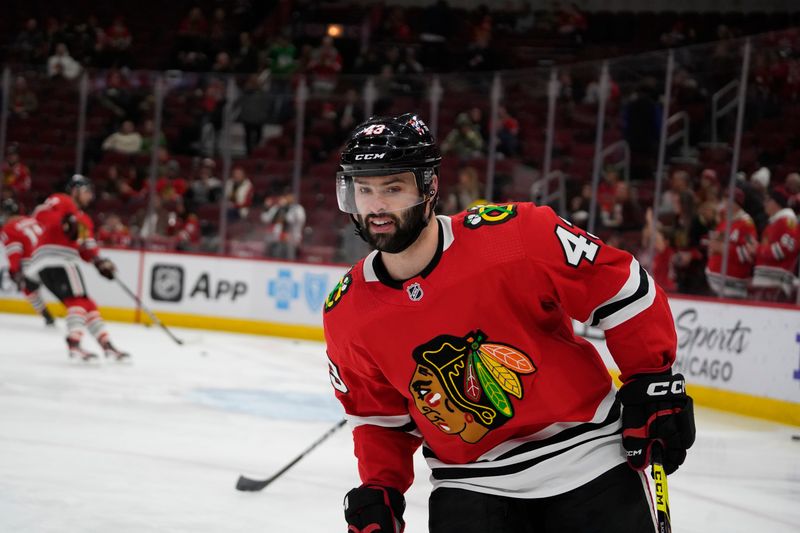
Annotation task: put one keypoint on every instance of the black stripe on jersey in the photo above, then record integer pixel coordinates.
(567, 434)
(608, 310)
(443, 474)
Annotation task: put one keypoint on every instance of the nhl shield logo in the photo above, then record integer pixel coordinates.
(315, 288)
(415, 292)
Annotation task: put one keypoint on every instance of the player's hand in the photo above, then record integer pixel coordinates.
(19, 280)
(374, 509)
(106, 268)
(655, 407)
(69, 225)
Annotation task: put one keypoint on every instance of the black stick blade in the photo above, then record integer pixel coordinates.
(245, 484)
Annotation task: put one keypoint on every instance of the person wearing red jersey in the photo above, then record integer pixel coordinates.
(20, 236)
(68, 239)
(16, 174)
(741, 253)
(774, 275)
(456, 335)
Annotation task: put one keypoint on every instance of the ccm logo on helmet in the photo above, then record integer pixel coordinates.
(661, 389)
(366, 157)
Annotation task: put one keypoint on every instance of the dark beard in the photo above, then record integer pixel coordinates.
(408, 227)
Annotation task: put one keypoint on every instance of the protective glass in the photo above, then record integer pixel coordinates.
(377, 191)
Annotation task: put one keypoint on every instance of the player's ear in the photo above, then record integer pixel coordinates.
(434, 186)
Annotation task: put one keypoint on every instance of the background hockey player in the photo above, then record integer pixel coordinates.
(774, 276)
(456, 334)
(68, 239)
(20, 236)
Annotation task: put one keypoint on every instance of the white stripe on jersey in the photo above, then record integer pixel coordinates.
(13, 248)
(397, 421)
(532, 467)
(637, 294)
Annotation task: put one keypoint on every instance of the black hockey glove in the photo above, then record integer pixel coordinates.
(106, 268)
(69, 225)
(374, 509)
(655, 407)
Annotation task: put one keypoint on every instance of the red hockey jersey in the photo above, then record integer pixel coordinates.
(20, 236)
(776, 260)
(475, 358)
(55, 247)
(740, 259)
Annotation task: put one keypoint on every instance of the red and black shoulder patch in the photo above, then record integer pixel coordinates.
(489, 215)
(338, 292)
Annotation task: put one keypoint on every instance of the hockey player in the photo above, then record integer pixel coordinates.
(774, 276)
(68, 238)
(456, 334)
(20, 236)
(741, 252)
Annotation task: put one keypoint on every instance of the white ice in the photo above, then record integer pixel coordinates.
(157, 445)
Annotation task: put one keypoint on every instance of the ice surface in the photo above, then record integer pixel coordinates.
(157, 445)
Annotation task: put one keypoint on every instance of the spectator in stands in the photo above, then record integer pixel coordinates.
(624, 212)
(464, 140)
(127, 187)
(741, 253)
(642, 126)
(193, 41)
(325, 65)
(254, 106)
(661, 265)
(580, 206)
(348, 115)
(116, 96)
(16, 174)
(695, 255)
(118, 40)
(607, 189)
(188, 234)
(775, 272)
(287, 220)
(62, 65)
(708, 188)
(507, 133)
(467, 192)
(206, 187)
(148, 131)
(755, 192)
(219, 34)
(125, 141)
(792, 186)
(30, 44)
(245, 57)
(23, 100)
(239, 192)
(282, 56)
(171, 187)
(479, 50)
(222, 63)
(572, 23)
(678, 202)
(114, 233)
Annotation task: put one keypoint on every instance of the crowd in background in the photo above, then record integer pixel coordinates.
(270, 47)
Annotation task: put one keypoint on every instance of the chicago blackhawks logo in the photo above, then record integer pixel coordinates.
(338, 292)
(489, 215)
(462, 384)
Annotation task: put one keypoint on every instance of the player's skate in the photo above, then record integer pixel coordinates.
(111, 351)
(76, 352)
(49, 321)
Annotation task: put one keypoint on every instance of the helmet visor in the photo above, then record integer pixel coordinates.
(364, 192)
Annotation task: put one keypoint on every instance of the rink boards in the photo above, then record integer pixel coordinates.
(739, 357)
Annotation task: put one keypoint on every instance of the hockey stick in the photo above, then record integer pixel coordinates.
(252, 485)
(147, 311)
(662, 493)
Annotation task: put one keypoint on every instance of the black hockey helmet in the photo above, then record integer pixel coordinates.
(77, 181)
(388, 145)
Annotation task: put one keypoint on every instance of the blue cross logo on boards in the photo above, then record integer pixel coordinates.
(283, 289)
(797, 372)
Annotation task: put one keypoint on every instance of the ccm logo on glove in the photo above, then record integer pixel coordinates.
(665, 387)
